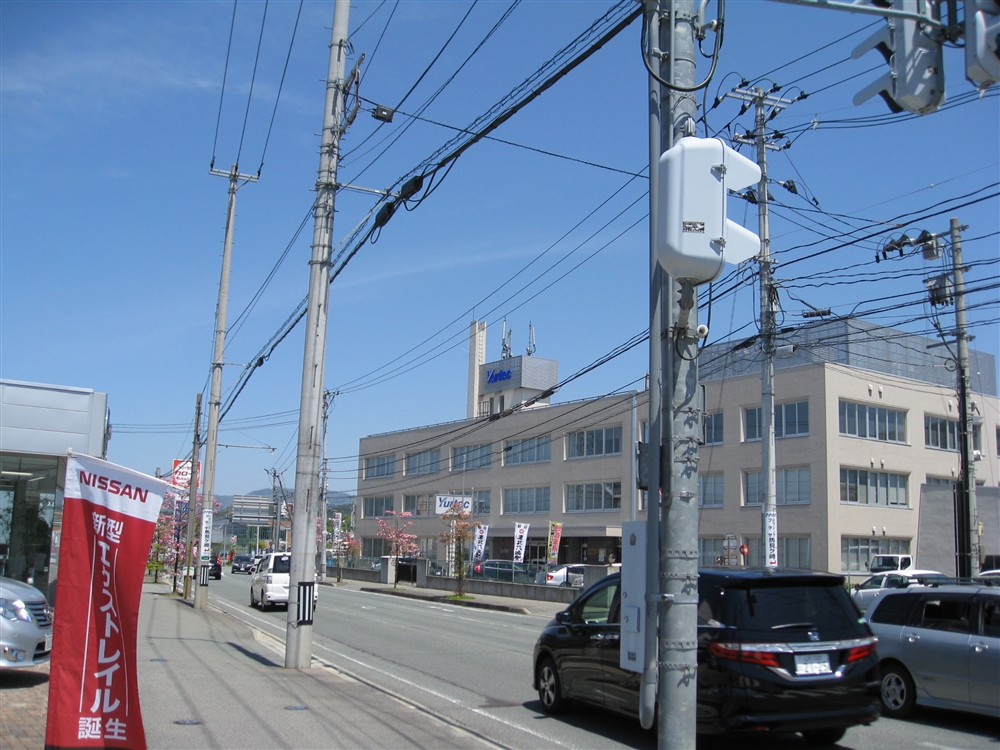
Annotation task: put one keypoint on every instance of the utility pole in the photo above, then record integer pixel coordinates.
(967, 520)
(670, 667)
(768, 309)
(298, 640)
(192, 495)
(215, 395)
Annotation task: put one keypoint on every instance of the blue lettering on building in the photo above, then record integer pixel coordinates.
(494, 376)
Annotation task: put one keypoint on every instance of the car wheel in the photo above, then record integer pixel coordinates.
(824, 737)
(898, 692)
(550, 688)
(253, 601)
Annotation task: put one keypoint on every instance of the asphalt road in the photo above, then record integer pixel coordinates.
(473, 667)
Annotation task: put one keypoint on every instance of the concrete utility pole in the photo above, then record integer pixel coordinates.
(298, 639)
(192, 495)
(215, 395)
(967, 517)
(768, 308)
(674, 408)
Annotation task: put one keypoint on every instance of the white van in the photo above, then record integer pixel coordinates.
(269, 581)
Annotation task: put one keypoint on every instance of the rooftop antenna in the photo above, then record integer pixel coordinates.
(505, 352)
(531, 339)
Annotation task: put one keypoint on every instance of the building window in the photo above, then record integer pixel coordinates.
(709, 551)
(481, 502)
(419, 505)
(791, 487)
(526, 500)
(940, 433)
(790, 420)
(711, 490)
(872, 422)
(939, 480)
(862, 487)
(751, 424)
(380, 466)
(528, 451)
(472, 457)
(603, 441)
(375, 547)
(427, 462)
(374, 507)
(793, 552)
(596, 496)
(713, 429)
(857, 552)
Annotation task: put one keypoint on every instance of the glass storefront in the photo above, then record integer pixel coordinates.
(31, 499)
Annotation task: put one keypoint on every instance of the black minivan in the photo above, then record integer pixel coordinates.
(779, 650)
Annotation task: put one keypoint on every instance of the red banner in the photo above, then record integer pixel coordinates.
(109, 515)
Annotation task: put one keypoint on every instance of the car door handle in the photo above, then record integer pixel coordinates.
(912, 637)
(597, 637)
(980, 647)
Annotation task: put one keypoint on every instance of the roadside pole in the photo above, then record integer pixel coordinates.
(192, 495)
(298, 640)
(215, 396)
(675, 408)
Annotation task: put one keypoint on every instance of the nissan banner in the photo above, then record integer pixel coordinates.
(520, 540)
(109, 515)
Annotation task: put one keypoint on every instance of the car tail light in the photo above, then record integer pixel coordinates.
(747, 654)
(549, 577)
(860, 652)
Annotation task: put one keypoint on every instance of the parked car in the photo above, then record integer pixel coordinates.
(216, 568)
(269, 581)
(561, 575)
(25, 625)
(872, 588)
(778, 651)
(939, 647)
(501, 570)
(242, 564)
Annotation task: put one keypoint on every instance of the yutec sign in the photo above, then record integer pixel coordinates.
(444, 503)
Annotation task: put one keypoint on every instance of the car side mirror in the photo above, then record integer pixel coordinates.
(564, 618)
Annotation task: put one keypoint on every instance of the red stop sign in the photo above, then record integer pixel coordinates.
(744, 550)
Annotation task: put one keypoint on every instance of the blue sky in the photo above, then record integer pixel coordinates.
(112, 227)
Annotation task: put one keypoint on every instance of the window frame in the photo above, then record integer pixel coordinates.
(385, 466)
(865, 417)
(481, 457)
(846, 486)
(719, 492)
(584, 443)
(521, 501)
(432, 466)
(610, 491)
(781, 479)
(713, 424)
(385, 502)
(514, 450)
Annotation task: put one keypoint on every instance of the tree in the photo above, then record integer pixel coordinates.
(457, 533)
(400, 541)
(164, 549)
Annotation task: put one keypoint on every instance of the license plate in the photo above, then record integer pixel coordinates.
(812, 664)
(48, 641)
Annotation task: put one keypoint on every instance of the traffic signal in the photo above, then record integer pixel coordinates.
(693, 236)
(982, 42)
(915, 81)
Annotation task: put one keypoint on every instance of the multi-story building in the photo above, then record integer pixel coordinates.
(866, 424)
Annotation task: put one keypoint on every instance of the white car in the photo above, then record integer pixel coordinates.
(868, 591)
(561, 575)
(269, 581)
(25, 625)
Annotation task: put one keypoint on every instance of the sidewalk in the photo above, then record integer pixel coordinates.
(206, 680)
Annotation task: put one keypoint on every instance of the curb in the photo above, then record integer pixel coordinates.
(447, 600)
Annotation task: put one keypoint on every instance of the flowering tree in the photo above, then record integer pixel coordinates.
(458, 531)
(166, 545)
(400, 541)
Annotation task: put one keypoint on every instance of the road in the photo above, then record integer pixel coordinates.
(472, 668)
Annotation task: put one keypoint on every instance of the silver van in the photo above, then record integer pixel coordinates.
(269, 581)
(939, 646)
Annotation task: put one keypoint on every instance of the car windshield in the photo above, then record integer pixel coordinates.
(282, 564)
(791, 612)
(241, 558)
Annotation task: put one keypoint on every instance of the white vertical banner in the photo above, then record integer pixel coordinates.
(206, 533)
(520, 540)
(771, 542)
(479, 542)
